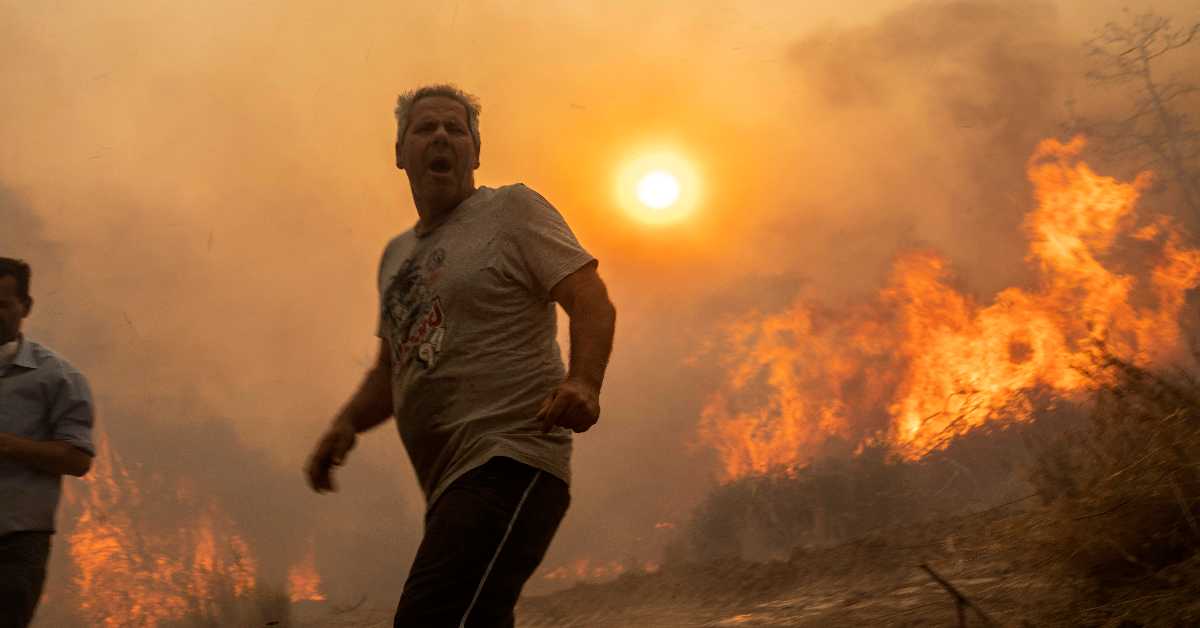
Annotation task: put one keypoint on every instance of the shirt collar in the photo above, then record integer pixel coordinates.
(426, 227)
(8, 351)
(25, 357)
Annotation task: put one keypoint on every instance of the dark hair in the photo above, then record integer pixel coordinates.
(19, 270)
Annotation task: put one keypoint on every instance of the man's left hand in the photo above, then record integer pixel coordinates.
(574, 404)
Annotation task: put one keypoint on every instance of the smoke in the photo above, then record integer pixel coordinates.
(204, 193)
(921, 127)
(18, 218)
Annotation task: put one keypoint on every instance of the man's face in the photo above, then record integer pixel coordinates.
(12, 310)
(438, 153)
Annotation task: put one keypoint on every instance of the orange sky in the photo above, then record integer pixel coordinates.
(213, 183)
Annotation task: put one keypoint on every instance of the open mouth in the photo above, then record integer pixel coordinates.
(440, 165)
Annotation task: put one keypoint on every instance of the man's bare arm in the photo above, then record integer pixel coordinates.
(370, 405)
(52, 456)
(576, 402)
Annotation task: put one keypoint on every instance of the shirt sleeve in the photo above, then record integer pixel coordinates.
(72, 413)
(541, 249)
(382, 329)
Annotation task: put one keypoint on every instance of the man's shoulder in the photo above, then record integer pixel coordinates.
(399, 241)
(518, 198)
(517, 191)
(43, 357)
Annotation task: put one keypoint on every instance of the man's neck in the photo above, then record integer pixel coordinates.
(432, 214)
(8, 351)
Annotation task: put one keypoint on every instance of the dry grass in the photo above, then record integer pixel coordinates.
(836, 500)
(1113, 541)
(264, 606)
(1122, 501)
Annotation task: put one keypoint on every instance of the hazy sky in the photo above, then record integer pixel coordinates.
(204, 190)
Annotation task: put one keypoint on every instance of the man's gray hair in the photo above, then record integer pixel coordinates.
(405, 102)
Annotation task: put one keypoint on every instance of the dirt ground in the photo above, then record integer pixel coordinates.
(876, 581)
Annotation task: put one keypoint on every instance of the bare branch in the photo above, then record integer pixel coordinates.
(1157, 129)
(961, 602)
(1171, 91)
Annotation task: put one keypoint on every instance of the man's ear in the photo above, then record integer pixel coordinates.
(477, 149)
(399, 160)
(28, 308)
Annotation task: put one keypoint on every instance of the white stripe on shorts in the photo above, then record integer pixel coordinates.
(503, 539)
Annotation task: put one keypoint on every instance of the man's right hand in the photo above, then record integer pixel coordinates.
(330, 452)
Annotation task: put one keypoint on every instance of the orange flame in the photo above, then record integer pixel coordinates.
(304, 583)
(132, 574)
(925, 363)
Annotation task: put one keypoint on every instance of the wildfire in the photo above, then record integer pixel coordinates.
(131, 572)
(304, 583)
(923, 362)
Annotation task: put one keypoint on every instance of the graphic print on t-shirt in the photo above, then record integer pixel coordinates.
(416, 322)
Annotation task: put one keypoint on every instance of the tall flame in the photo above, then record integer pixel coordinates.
(924, 363)
(130, 572)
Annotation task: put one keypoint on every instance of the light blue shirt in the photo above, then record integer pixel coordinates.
(42, 397)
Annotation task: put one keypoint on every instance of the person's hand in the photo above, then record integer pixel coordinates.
(330, 452)
(574, 404)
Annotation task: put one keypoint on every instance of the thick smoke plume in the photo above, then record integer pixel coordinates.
(204, 193)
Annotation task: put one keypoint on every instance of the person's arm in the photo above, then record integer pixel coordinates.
(370, 405)
(68, 448)
(52, 456)
(575, 404)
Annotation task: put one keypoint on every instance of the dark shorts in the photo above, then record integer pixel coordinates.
(484, 537)
(23, 558)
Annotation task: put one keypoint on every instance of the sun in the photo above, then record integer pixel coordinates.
(658, 190)
(658, 187)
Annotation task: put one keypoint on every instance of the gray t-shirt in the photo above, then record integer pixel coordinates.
(465, 308)
(42, 397)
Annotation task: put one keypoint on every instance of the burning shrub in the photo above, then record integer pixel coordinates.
(924, 363)
(158, 550)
